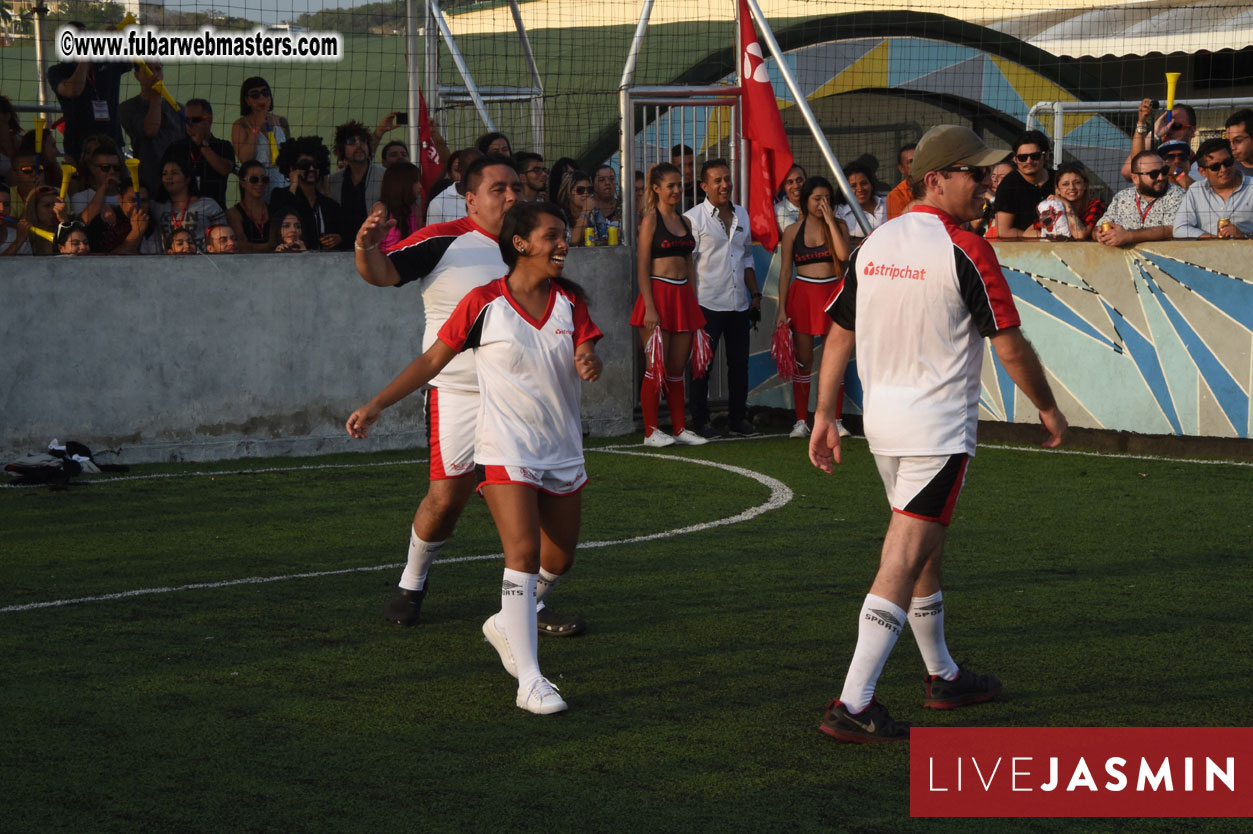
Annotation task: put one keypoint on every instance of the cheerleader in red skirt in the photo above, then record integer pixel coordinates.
(819, 251)
(667, 302)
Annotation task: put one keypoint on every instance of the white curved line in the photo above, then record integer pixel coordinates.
(780, 495)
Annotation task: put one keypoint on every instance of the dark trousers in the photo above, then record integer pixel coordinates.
(730, 326)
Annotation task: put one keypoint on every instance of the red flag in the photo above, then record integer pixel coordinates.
(769, 155)
(432, 166)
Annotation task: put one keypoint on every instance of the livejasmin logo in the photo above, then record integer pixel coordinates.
(1081, 772)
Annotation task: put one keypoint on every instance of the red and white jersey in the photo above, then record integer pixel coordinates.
(529, 389)
(451, 259)
(921, 293)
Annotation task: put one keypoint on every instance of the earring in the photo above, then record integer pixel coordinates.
(522, 249)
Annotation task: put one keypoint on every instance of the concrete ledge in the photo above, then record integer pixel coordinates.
(201, 358)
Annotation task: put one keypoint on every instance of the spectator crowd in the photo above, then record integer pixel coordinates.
(166, 187)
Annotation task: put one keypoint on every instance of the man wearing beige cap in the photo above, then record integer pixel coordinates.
(919, 296)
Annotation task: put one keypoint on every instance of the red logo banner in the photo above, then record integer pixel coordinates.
(769, 155)
(1081, 772)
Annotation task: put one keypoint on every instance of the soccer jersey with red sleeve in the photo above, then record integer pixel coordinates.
(921, 293)
(450, 259)
(528, 386)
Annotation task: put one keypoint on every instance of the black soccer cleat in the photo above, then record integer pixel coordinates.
(872, 725)
(404, 606)
(559, 625)
(967, 688)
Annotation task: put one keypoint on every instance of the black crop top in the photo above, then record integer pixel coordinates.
(803, 255)
(666, 245)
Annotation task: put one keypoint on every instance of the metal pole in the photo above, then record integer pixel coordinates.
(460, 61)
(41, 69)
(430, 41)
(537, 106)
(637, 42)
(810, 120)
(414, 80)
(1059, 127)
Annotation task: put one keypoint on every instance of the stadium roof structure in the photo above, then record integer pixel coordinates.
(1092, 28)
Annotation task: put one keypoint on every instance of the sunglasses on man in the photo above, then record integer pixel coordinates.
(305, 164)
(977, 172)
(1154, 173)
(108, 167)
(1034, 157)
(197, 119)
(1217, 166)
(256, 180)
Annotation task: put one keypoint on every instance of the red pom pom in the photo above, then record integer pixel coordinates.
(784, 351)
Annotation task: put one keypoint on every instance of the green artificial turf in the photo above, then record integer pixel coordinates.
(1103, 591)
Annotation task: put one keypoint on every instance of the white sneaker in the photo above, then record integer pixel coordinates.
(497, 638)
(658, 439)
(799, 430)
(687, 437)
(541, 698)
(839, 426)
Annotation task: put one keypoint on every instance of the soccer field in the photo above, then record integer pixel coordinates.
(721, 599)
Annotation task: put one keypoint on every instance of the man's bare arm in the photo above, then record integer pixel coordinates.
(1024, 368)
(372, 264)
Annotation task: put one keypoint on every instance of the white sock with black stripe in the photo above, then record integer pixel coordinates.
(926, 620)
(879, 624)
(421, 555)
(543, 585)
(517, 620)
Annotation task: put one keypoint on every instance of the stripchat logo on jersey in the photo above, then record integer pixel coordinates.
(893, 271)
(1081, 772)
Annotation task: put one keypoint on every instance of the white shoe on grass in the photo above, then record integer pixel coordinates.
(799, 430)
(497, 638)
(839, 426)
(659, 439)
(687, 437)
(541, 698)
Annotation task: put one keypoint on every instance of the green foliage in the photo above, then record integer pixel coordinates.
(94, 14)
(1102, 591)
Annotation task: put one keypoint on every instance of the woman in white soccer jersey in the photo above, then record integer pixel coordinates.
(533, 341)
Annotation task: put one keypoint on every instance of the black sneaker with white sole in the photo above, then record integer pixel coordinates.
(742, 428)
(559, 625)
(872, 725)
(967, 688)
(404, 606)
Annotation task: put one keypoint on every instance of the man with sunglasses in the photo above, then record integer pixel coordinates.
(1222, 205)
(1021, 191)
(1146, 211)
(105, 172)
(151, 124)
(1177, 125)
(1177, 155)
(211, 159)
(919, 297)
(88, 93)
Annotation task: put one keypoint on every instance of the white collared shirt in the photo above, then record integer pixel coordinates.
(720, 258)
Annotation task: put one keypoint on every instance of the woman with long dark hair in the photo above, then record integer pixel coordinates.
(574, 197)
(401, 199)
(666, 302)
(258, 133)
(533, 342)
(818, 251)
(180, 206)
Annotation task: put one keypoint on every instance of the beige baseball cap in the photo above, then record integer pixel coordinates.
(944, 146)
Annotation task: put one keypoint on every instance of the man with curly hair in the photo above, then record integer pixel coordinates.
(358, 184)
(305, 161)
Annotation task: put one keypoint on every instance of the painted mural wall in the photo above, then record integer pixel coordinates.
(1157, 339)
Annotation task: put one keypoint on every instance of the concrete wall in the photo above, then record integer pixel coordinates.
(204, 357)
(1157, 339)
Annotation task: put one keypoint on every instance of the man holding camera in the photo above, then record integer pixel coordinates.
(726, 288)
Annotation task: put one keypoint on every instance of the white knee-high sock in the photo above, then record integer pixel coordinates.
(879, 624)
(543, 585)
(926, 619)
(517, 620)
(421, 554)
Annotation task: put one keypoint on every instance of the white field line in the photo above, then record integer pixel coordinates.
(780, 495)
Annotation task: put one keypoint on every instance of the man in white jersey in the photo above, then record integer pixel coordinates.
(450, 259)
(919, 297)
